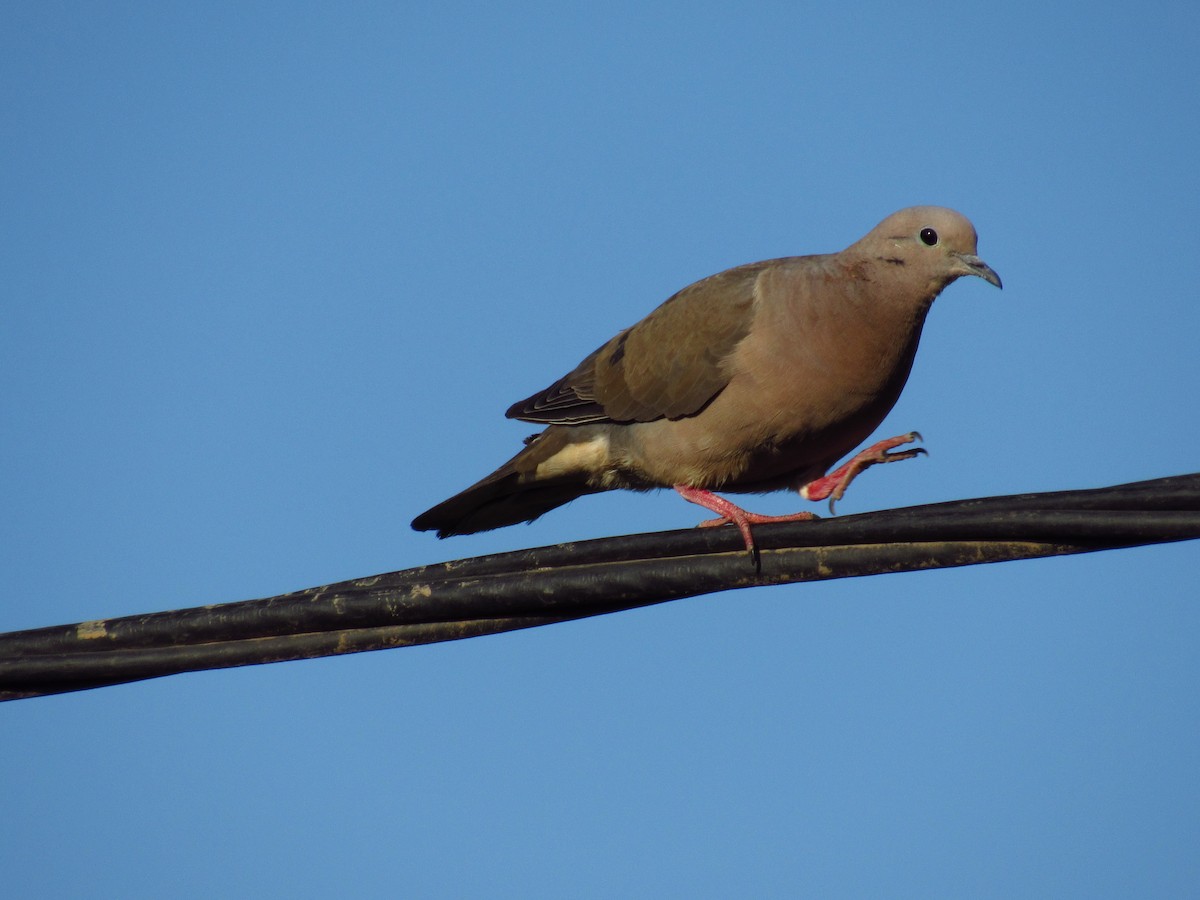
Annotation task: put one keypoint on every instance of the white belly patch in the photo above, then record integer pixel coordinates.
(586, 456)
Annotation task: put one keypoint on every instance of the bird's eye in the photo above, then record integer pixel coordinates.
(928, 237)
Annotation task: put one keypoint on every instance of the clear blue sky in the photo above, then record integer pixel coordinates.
(271, 274)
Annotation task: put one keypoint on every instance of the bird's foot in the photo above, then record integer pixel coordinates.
(730, 513)
(835, 483)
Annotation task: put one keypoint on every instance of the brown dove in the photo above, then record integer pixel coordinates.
(756, 379)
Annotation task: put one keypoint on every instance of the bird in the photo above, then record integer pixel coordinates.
(755, 379)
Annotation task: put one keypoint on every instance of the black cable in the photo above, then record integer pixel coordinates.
(522, 589)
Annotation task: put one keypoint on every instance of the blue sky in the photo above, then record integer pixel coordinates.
(271, 276)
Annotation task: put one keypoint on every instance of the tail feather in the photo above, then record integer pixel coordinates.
(494, 504)
(510, 495)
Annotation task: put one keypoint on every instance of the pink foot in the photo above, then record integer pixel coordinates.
(730, 512)
(835, 483)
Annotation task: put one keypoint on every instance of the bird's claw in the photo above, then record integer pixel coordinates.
(835, 483)
(732, 514)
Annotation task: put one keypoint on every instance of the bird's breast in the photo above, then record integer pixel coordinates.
(802, 393)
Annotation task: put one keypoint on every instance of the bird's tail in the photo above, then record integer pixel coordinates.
(513, 493)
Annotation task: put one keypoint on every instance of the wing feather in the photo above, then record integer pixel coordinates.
(669, 365)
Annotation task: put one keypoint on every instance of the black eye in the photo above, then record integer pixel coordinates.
(928, 237)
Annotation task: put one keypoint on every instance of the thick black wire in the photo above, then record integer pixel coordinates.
(503, 592)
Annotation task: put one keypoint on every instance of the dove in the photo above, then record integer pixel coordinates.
(756, 379)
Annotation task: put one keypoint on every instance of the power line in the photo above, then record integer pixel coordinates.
(507, 591)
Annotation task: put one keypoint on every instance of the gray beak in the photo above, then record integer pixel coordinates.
(976, 266)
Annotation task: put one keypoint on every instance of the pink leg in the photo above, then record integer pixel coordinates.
(731, 512)
(835, 483)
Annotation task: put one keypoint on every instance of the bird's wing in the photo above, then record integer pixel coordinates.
(669, 365)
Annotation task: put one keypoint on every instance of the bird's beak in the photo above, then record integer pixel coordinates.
(973, 265)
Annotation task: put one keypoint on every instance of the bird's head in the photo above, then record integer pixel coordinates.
(928, 244)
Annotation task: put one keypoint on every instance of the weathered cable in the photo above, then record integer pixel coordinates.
(503, 592)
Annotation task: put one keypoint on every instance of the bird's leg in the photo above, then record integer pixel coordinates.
(832, 485)
(835, 483)
(732, 513)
